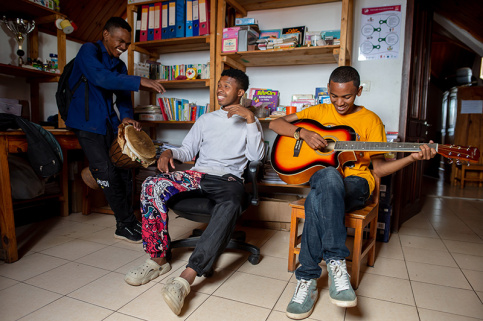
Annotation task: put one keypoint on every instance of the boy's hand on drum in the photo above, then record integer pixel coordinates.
(165, 160)
(130, 121)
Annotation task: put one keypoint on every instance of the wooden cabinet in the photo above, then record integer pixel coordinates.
(155, 48)
(44, 21)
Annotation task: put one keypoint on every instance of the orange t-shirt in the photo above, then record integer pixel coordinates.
(367, 125)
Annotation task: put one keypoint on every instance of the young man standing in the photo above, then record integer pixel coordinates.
(93, 119)
(225, 141)
(333, 194)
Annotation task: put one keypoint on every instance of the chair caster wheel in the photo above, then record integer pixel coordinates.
(209, 273)
(254, 259)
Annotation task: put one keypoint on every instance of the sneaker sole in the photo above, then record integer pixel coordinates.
(172, 303)
(126, 239)
(300, 316)
(344, 304)
(146, 279)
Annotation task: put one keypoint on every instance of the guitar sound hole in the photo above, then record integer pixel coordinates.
(330, 146)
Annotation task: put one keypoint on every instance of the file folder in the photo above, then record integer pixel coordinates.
(151, 22)
(157, 21)
(164, 20)
(196, 20)
(180, 18)
(189, 18)
(137, 33)
(144, 23)
(204, 6)
(171, 19)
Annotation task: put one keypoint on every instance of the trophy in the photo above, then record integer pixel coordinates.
(20, 28)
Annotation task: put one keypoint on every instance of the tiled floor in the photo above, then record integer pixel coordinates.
(72, 269)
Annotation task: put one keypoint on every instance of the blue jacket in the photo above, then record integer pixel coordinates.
(104, 79)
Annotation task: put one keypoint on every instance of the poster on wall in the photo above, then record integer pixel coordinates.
(380, 33)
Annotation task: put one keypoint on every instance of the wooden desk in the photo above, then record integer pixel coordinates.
(16, 142)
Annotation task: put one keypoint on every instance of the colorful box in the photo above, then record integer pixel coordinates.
(244, 21)
(230, 39)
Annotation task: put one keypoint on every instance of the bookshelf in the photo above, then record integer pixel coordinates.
(154, 49)
(44, 21)
(339, 54)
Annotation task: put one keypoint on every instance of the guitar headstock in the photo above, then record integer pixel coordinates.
(461, 153)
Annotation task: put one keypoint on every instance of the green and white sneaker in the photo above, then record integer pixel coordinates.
(303, 300)
(340, 289)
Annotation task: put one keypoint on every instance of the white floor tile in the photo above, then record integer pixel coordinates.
(446, 299)
(68, 309)
(21, 299)
(30, 266)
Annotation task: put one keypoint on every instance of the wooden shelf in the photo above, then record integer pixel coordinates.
(28, 73)
(186, 84)
(284, 57)
(251, 5)
(164, 46)
(26, 9)
(170, 122)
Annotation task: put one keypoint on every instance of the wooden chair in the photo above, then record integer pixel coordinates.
(461, 172)
(357, 220)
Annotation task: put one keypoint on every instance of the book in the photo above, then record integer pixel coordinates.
(268, 97)
(293, 30)
(271, 33)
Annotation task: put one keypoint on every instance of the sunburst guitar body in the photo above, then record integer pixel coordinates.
(296, 167)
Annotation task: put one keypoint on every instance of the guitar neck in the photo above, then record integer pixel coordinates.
(380, 147)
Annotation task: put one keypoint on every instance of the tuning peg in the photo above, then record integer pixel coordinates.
(458, 162)
(450, 161)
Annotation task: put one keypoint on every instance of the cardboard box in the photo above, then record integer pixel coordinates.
(273, 211)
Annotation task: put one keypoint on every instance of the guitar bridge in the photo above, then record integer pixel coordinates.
(296, 149)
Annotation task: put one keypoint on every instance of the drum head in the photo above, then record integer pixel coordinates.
(140, 143)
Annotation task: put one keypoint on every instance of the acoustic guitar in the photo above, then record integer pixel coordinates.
(295, 162)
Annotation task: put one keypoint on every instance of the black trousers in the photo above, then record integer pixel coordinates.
(228, 193)
(116, 183)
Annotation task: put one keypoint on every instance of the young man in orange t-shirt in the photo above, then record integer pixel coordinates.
(333, 194)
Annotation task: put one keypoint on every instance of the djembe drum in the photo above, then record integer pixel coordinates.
(132, 148)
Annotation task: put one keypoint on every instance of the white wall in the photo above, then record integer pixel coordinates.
(385, 75)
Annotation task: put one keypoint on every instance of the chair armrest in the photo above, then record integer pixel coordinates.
(252, 177)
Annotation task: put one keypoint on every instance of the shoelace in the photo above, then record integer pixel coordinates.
(301, 291)
(341, 277)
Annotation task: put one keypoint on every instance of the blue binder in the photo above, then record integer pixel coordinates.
(151, 22)
(171, 19)
(196, 18)
(164, 20)
(189, 18)
(180, 18)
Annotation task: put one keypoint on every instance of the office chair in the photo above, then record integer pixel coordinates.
(196, 208)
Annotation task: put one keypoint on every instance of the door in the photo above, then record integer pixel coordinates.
(408, 198)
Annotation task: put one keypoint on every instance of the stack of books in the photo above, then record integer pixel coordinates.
(175, 109)
(155, 70)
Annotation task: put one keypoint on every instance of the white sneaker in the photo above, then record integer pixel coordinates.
(174, 292)
(146, 272)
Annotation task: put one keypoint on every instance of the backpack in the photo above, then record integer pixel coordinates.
(64, 94)
(44, 152)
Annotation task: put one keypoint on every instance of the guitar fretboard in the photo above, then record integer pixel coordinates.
(380, 147)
